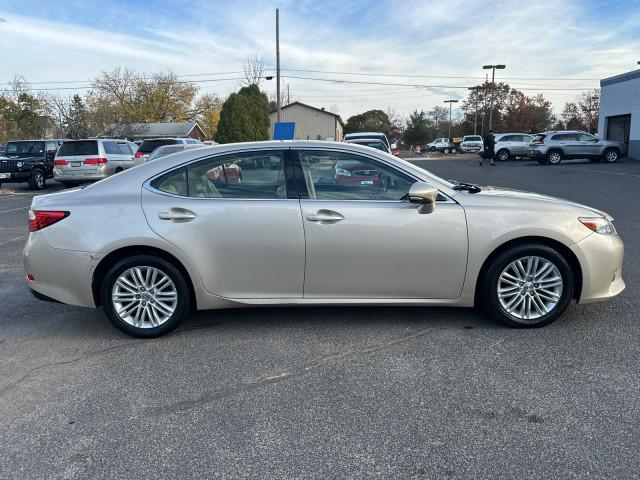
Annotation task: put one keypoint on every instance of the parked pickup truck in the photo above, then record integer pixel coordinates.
(443, 145)
(472, 143)
(28, 161)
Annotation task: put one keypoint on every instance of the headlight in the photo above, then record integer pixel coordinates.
(19, 164)
(599, 225)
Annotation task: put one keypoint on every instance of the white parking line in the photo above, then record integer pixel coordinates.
(624, 174)
(14, 209)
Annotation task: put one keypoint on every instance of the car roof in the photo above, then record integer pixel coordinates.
(40, 140)
(365, 134)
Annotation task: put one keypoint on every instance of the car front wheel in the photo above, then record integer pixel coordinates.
(528, 286)
(503, 155)
(611, 155)
(145, 296)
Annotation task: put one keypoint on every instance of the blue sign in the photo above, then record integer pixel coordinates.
(284, 131)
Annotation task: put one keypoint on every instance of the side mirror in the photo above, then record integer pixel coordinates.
(425, 195)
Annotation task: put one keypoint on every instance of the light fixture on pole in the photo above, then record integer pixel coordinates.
(450, 102)
(493, 84)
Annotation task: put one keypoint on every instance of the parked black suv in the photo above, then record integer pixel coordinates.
(29, 161)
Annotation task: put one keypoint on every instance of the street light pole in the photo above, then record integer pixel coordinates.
(493, 87)
(278, 63)
(450, 102)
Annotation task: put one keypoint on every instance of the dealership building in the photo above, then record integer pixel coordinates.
(620, 110)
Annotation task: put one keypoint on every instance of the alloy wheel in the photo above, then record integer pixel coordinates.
(503, 155)
(38, 178)
(554, 158)
(144, 297)
(530, 288)
(611, 156)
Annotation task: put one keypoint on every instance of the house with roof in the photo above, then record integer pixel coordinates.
(311, 123)
(142, 131)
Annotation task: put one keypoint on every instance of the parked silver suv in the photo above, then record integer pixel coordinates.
(79, 161)
(552, 147)
(510, 145)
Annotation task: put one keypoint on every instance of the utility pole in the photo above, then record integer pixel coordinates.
(450, 102)
(493, 87)
(278, 63)
(475, 115)
(288, 95)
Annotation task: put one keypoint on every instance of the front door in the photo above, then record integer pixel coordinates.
(233, 216)
(364, 241)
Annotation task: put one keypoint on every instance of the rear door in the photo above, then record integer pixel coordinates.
(237, 218)
(126, 155)
(569, 143)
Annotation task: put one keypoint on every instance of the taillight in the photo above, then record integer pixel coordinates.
(95, 161)
(139, 154)
(537, 142)
(59, 163)
(39, 219)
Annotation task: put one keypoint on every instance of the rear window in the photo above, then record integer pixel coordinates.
(149, 146)
(82, 147)
(538, 138)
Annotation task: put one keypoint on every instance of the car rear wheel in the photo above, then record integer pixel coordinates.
(554, 157)
(432, 149)
(611, 155)
(145, 296)
(528, 286)
(37, 179)
(503, 155)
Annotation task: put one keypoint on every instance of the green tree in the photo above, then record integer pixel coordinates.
(417, 130)
(244, 117)
(23, 114)
(369, 121)
(76, 125)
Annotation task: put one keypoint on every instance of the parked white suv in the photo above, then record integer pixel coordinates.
(79, 161)
(472, 143)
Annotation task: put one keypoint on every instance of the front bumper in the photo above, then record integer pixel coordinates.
(471, 148)
(600, 258)
(15, 176)
(537, 154)
(61, 275)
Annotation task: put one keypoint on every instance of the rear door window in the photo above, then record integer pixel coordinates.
(79, 148)
(123, 148)
(111, 148)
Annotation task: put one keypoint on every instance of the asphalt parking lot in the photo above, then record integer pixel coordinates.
(330, 392)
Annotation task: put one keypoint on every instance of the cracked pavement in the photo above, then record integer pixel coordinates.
(329, 392)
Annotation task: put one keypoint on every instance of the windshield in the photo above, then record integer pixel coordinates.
(149, 146)
(473, 138)
(378, 145)
(164, 151)
(82, 147)
(24, 149)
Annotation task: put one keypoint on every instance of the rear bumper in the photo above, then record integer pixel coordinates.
(79, 177)
(600, 258)
(537, 154)
(60, 275)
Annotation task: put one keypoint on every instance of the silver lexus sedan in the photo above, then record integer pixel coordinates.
(312, 223)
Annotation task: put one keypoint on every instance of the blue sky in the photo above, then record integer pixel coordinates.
(575, 41)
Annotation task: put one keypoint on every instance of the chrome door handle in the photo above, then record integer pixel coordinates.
(325, 216)
(177, 215)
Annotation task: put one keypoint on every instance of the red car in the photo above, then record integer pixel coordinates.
(352, 172)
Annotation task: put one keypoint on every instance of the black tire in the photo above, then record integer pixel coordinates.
(118, 170)
(432, 149)
(503, 155)
(37, 180)
(611, 155)
(554, 157)
(489, 291)
(182, 307)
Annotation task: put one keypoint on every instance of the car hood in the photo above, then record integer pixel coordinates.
(498, 193)
(22, 159)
